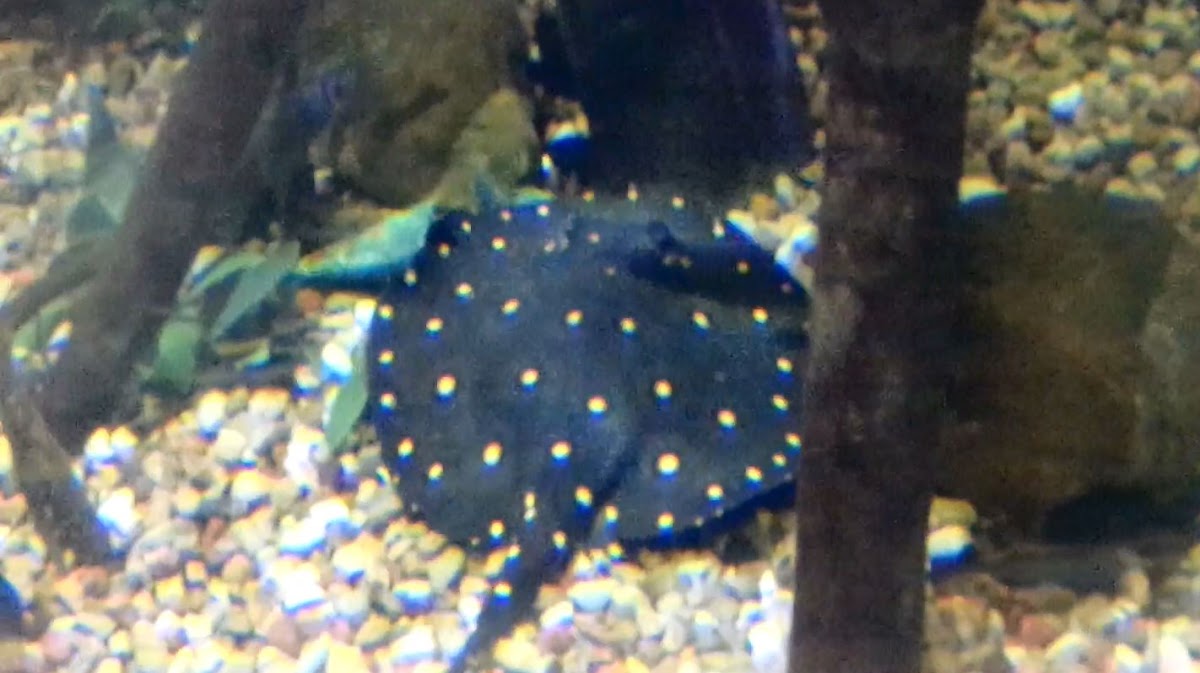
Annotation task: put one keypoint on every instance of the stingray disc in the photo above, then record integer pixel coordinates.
(556, 370)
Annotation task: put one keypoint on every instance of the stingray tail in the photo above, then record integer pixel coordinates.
(513, 595)
(544, 549)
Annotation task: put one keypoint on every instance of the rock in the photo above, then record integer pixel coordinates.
(1052, 396)
(1168, 426)
(421, 71)
(499, 144)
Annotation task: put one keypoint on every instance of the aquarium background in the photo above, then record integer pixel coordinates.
(503, 273)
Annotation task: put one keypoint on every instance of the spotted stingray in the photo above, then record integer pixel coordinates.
(550, 376)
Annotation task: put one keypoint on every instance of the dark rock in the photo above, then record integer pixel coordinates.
(1167, 437)
(1052, 398)
(421, 70)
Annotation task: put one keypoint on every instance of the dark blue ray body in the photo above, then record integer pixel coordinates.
(563, 372)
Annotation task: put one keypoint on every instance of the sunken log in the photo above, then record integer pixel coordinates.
(885, 306)
(187, 194)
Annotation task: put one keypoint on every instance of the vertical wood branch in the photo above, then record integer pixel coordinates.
(885, 301)
(176, 208)
(179, 204)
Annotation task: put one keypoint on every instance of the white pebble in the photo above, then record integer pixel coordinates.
(351, 561)
(706, 634)
(302, 538)
(352, 604)
(445, 569)
(521, 656)
(228, 447)
(344, 658)
(336, 363)
(210, 412)
(118, 512)
(1068, 650)
(415, 595)
(333, 516)
(765, 641)
(592, 596)
(98, 450)
(197, 627)
(627, 600)
(168, 629)
(1172, 655)
(314, 656)
(6, 462)
(413, 647)
(268, 404)
(305, 451)
(561, 615)
(301, 590)
(469, 607)
(248, 490)
(364, 313)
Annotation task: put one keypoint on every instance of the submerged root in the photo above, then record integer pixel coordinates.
(131, 284)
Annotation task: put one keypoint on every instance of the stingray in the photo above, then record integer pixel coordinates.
(552, 376)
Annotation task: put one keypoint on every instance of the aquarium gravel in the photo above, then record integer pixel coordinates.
(253, 545)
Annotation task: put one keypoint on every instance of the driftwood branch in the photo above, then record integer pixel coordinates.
(884, 308)
(186, 195)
